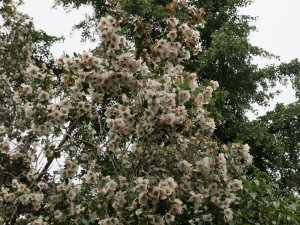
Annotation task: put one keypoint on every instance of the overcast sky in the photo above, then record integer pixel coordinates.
(278, 27)
(277, 31)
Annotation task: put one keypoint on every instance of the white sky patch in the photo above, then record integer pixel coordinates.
(278, 27)
(59, 22)
(277, 33)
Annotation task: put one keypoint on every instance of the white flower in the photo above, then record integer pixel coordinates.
(14, 183)
(71, 195)
(27, 89)
(169, 218)
(40, 75)
(176, 208)
(235, 185)
(185, 54)
(103, 23)
(156, 220)
(24, 198)
(23, 189)
(17, 97)
(172, 35)
(109, 221)
(215, 200)
(141, 188)
(139, 211)
(120, 197)
(245, 149)
(246, 155)
(8, 197)
(207, 217)
(29, 111)
(42, 185)
(228, 214)
(186, 29)
(90, 177)
(204, 192)
(183, 96)
(39, 221)
(4, 146)
(196, 198)
(111, 21)
(173, 21)
(207, 94)
(221, 159)
(111, 185)
(168, 118)
(184, 166)
(143, 199)
(203, 165)
(214, 84)
(170, 183)
(87, 56)
(32, 70)
(36, 197)
(43, 96)
(2, 129)
(57, 214)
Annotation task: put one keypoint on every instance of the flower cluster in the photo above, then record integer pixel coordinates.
(133, 131)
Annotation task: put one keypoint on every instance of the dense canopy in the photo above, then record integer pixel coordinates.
(125, 134)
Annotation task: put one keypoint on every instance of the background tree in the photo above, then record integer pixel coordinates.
(278, 131)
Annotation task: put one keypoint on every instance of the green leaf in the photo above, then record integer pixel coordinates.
(180, 82)
(256, 182)
(276, 205)
(84, 221)
(246, 183)
(293, 207)
(269, 191)
(93, 216)
(253, 195)
(263, 175)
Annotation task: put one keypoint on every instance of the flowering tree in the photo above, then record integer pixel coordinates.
(226, 56)
(118, 136)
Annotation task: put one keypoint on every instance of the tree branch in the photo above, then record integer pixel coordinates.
(50, 160)
(44, 170)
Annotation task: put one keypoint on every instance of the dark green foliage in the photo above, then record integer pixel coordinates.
(275, 138)
(41, 46)
(227, 57)
(257, 205)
